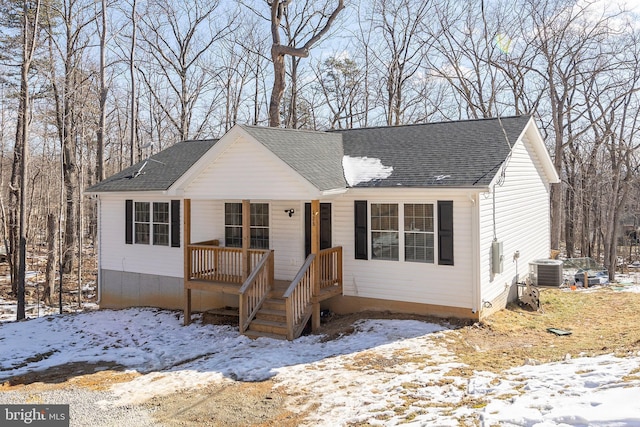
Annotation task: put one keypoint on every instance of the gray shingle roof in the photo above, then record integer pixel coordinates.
(317, 156)
(455, 154)
(464, 153)
(160, 172)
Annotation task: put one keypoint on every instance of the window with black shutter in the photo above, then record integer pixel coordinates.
(156, 223)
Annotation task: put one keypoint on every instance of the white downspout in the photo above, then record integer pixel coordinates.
(476, 293)
(99, 235)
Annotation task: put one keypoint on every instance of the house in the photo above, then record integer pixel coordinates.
(438, 218)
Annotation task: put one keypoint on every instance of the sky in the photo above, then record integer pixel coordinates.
(346, 377)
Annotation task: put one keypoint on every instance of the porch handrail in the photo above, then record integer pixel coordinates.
(298, 298)
(219, 264)
(255, 290)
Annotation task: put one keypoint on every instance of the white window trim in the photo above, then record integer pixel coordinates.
(151, 223)
(401, 251)
(270, 219)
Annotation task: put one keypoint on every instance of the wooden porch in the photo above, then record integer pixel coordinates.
(266, 307)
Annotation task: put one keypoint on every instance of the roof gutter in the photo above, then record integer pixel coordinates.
(333, 192)
(129, 193)
(438, 190)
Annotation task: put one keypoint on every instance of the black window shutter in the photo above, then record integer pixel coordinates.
(360, 218)
(445, 232)
(128, 222)
(175, 223)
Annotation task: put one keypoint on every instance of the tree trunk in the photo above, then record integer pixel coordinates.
(278, 87)
(71, 216)
(100, 174)
(29, 34)
(14, 202)
(49, 273)
(278, 52)
(569, 216)
(132, 75)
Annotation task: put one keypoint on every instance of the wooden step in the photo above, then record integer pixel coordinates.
(226, 311)
(274, 304)
(269, 326)
(273, 315)
(276, 294)
(257, 334)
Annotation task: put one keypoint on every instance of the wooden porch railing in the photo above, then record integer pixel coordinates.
(298, 298)
(255, 290)
(216, 264)
(300, 295)
(330, 264)
(319, 278)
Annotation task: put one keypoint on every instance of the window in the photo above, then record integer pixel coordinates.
(142, 222)
(161, 224)
(156, 223)
(422, 237)
(384, 231)
(259, 223)
(418, 232)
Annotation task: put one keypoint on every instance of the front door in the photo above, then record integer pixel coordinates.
(325, 227)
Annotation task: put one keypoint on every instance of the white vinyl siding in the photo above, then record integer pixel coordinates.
(419, 282)
(287, 238)
(248, 171)
(521, 221)
(116, 255)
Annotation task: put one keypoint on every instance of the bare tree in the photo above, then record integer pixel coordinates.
(30, 20)
(133, 103)
(567, 36)
(318, 19)
(102, 31)
(75, 17)
(178, 38)
(340, 82)
(402, 53)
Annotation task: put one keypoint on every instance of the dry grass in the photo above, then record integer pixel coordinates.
(602, 321)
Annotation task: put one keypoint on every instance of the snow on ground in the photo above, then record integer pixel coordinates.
(8, 308)
(386, 372)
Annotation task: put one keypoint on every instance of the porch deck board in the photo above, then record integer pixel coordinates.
(279, 287)
(329, 292)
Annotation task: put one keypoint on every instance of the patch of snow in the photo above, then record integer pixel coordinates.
(364, 169)
(386, 372)
(633, 289)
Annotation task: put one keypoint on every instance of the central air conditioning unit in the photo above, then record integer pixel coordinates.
(546, 272)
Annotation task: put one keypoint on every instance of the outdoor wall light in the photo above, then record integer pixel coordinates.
(290, 212)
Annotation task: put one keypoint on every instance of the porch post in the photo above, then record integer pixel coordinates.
(187, 261)
(315, 249)
(246, 238)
